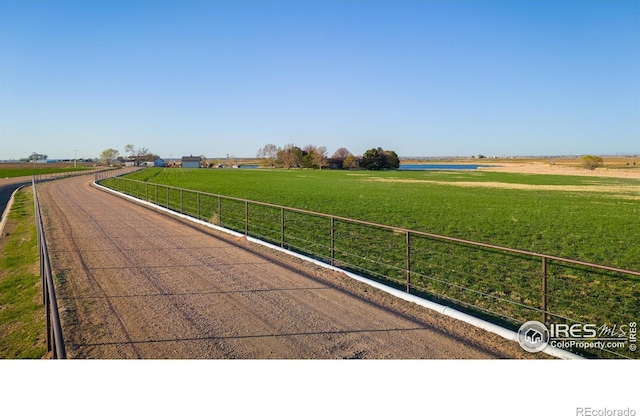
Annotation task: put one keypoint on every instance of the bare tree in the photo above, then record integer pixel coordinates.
(290, 155)
(231, 161)
(320, 157)
(339, 157)
(340, 154)
(140, 153)
(268, 155)
(108, 156)
(130, 149)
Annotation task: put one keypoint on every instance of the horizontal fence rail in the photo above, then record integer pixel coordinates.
(507, 285)
(55, 341)
(45, 177)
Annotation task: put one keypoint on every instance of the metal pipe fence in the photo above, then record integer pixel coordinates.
(510, 285)
(55, 340)
(45, 177)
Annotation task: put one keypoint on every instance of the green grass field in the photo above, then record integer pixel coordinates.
(25, 169)
(582, 218)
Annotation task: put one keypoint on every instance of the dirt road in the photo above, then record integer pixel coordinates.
(134, 283)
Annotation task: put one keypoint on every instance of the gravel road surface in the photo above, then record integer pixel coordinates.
(134, 283)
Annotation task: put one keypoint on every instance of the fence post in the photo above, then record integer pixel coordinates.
(167, 205)
(282, 227)
(544, 290)
(408, 258)
(219, 210)
(246, 217)
(181, 205)
(198, 203)
(332, 242)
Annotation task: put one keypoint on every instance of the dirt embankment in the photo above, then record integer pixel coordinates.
(547, 168)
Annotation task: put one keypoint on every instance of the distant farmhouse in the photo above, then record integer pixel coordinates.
(190, 161)
(159, 163)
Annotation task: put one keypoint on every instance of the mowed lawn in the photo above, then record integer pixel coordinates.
(584, 218)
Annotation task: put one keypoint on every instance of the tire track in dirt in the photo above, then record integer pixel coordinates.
(128, 257)
(75, 249)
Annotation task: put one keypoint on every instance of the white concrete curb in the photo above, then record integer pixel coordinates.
(444, 310)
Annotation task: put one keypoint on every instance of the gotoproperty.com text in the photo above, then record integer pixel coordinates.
(590, 411)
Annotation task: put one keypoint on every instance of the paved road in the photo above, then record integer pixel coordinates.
(137, 284)
(7, 189)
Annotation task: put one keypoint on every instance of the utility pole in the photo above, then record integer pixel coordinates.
(75, 159)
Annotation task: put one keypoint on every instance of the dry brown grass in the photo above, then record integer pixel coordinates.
(623, 191)
(613, 168)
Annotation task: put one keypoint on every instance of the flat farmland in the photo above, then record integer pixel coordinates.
(14, 170)
(593, 219)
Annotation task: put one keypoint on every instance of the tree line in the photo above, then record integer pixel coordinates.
(315, 157)
(137, 155)
(33, 157)
(289, 156)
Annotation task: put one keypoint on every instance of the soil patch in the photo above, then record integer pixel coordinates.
(627, 191)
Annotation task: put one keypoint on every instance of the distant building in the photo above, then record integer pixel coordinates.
(159, 163)
(190, 161)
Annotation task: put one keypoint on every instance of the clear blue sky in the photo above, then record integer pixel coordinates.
(423, 78)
